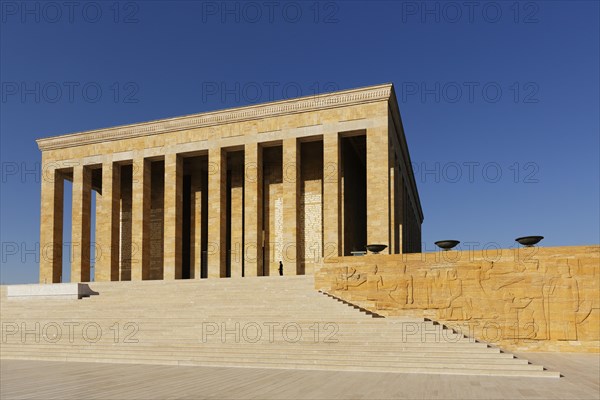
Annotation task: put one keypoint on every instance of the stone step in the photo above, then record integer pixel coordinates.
(346, 325)
(333, 358)
(428, 369)
(285, 348)
(342, 346)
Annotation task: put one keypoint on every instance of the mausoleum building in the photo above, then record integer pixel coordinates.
(232, 193)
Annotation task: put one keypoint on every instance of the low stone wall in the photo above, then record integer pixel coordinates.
(524, 299)
(69, 291)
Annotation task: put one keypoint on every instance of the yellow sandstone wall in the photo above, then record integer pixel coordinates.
(524, 299)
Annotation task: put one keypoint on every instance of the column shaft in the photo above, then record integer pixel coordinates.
(392, 204)
(173, 212)
(237, 215)
(378, 196)
(81, 221)
(400, 214)
(140, 219)
(108, 224)
(196, 225)
(253, 218)
(217, 218)
(331, 195)
(291, 194)
(51, 227)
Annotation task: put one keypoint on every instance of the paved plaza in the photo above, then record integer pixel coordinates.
(71, 380)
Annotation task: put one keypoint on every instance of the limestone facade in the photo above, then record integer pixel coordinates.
(233, 193)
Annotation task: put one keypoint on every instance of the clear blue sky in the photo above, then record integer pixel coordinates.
(484, 88)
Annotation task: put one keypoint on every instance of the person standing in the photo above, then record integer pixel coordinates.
(280, 268)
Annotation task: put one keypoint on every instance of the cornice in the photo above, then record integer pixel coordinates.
(264, 110)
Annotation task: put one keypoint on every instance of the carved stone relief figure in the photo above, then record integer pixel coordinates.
(489, 306)
(349, 278)
(374, 284)
(588, 315)
(562, 304)
(457, 307)
(437, 290)
(532, 318)
(341, 279)
(420, 290)
(512, 306)
(402, 292)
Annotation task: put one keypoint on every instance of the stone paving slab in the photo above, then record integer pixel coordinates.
(62, 380)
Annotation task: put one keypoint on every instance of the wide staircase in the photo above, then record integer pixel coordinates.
(262, 322)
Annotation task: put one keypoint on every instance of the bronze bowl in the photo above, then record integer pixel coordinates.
(529, 241)
(376, 248)
(446, 244)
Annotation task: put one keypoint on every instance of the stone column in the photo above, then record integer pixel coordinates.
(253, 199)
(81, 223)
(173, 212)
(140, 219)
(125, 233)
(236, 208)
(217, 218)
(196, 225)
(291, 205)
(400, 213)
(405, 221)
(378, 196)
(392, 202)
(331, 195)
(108, 224)
(51, 227)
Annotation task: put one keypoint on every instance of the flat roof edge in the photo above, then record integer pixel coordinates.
(309, 103)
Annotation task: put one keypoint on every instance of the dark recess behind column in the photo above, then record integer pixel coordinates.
(355, 193)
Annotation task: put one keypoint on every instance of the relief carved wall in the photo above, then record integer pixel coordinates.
(538, 304)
